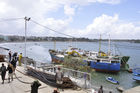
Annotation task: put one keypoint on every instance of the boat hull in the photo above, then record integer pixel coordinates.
(105, 67)
(136, 77)
(56, 59)
(136, 74)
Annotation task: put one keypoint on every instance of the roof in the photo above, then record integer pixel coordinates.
(4, 48)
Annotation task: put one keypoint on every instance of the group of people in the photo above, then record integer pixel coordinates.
(14, 58)
(11, 66)
(3, 70)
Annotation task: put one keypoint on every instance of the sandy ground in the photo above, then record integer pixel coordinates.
(18, 87)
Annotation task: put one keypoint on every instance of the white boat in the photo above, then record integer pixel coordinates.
(112, 80)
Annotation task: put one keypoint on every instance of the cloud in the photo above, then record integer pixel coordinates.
(39, 9)
(109, 1)
(109, 25)
(68, 10)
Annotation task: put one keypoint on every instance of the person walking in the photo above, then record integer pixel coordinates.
(10, 56)
(101, 89)
(10, 72)
(19, 59)
(3, 72)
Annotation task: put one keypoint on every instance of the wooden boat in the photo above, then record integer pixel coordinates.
(112, 80)
(119, 88)
(49, 78)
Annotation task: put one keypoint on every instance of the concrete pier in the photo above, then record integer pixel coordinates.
(17, 86)
(133, 90)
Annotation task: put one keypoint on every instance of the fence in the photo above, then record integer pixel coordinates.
(81, 79)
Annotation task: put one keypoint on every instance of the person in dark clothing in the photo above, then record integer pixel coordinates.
(55, 91)
(10, 72)
(10, 56)
(14, 60)
(101, 89)
(15, 54)
(3, 72)
(34, 87)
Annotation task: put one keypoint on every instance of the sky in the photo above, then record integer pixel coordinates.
(117, 19)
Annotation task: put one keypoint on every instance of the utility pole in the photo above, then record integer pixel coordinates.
(25, 61)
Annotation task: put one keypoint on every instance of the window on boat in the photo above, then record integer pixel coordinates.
(114, 61)
(88, 62)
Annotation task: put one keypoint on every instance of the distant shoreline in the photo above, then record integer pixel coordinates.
(131, 41)
(9, 39)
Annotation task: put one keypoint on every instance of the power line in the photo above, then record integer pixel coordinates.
(51, 29)
(10, 19)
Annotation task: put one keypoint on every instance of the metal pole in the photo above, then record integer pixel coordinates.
(25, 61)
(99, 45)
(109, 51)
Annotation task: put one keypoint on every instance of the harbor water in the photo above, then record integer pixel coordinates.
(39, 52)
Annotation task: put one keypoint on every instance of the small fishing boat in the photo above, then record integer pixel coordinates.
(112, 80)
(119, 88)
(136, 74)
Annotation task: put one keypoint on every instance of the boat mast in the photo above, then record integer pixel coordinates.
(109, 52)
(99, 45)
(54, 44)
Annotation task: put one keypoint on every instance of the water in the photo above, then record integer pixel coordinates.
(39, 52)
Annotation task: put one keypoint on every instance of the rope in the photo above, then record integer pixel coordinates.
(21, 80)
(52, 29)
(16, 75)
(10, 19)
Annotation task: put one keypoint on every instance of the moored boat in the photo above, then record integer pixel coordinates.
(56, 56)
(112, 80)
(96, 60)
(136, 74)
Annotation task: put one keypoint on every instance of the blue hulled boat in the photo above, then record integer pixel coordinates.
(136, 74)
(112, 80)
(105, 66)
